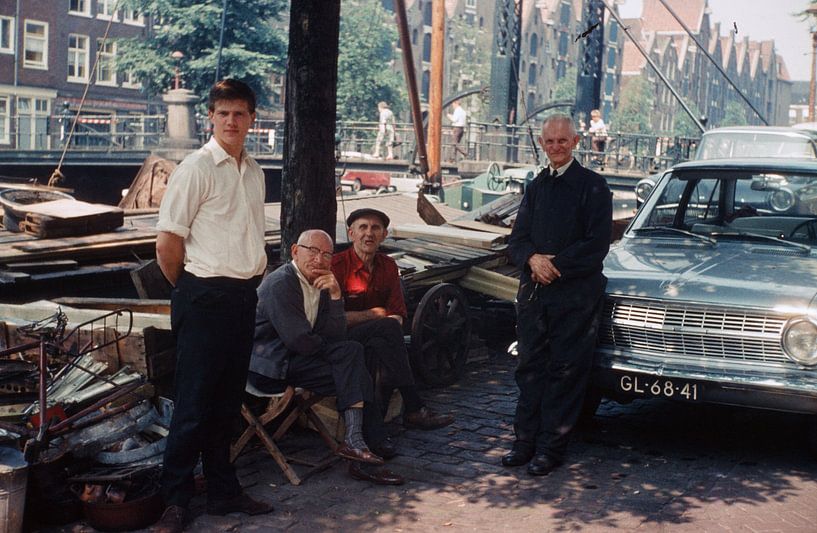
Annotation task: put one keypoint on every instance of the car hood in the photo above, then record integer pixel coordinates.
(735, 274)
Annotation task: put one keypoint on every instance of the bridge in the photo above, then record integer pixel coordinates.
(106, 152)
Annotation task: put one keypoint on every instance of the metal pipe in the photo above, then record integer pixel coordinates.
(655, 68)
(706, 53)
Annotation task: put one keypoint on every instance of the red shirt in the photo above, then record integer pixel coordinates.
(363, 289)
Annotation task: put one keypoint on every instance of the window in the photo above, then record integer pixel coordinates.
(79, 7)
(534, 44)
(35, 44)
(613, 32)
(611, 58)
(77, 57)
(563, 44)
(5, 120)
(470, 4)
(131, 16)
(32, 123)
(6, 36)
(129, 81)
(532, 75)
(426, 47)
(427, 14)
(105, 72)
(104, 9)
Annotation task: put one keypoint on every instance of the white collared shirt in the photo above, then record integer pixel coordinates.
(219, 212)
(312, 297)
(562, 169)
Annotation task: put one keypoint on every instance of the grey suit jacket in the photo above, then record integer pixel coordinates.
(281, 328)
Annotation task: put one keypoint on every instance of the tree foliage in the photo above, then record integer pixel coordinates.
(252, 49)
(684, 126)
(633, 112)
(365, 59)
(734, 114)
(565, 87)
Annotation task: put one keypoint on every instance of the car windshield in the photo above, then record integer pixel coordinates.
(735, 205)
(724, 145)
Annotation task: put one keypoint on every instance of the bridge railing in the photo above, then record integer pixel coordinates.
(92, 132)
(626, 152)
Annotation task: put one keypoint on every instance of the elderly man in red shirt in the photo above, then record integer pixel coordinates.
(375, 311)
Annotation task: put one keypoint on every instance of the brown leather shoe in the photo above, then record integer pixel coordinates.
(172, 520)
(363, 455)
(386, 449)
(426, 419)
(378, 476)
(241, 503)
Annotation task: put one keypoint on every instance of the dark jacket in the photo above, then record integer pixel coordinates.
(571, 217)
(281, 327)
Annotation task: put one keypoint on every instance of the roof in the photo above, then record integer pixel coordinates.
(779, 130)
(761, 164)
(783, 73)
(631, 59)
(658, 18)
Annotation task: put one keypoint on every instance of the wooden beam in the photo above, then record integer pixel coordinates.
(435, 90)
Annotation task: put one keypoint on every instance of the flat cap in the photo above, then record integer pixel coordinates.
(367, 212)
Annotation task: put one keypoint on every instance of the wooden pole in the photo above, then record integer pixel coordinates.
(425, 208)
(813, 83)
(435, 91)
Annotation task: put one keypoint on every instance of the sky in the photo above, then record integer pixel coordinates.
(760, 20)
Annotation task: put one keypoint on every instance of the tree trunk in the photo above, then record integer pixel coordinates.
(308, 178)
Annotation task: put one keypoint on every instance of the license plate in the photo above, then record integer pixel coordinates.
(660, 387)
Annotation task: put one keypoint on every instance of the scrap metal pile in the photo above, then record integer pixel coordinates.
(89, 430)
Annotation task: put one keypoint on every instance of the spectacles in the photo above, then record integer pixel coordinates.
(313, 251)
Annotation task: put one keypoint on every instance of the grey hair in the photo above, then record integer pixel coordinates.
(307, 235)
(560, 117)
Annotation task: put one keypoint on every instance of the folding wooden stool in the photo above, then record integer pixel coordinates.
(301, 401)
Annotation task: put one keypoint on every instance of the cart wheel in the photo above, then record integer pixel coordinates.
(440, 332)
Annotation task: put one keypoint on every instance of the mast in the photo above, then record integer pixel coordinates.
(435, 91)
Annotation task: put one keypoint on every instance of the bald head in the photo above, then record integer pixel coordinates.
(312, 234)
(313, 253)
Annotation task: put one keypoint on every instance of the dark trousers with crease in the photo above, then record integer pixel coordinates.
(213, 320)
(338, 369)
(556, 339)
(386, 357)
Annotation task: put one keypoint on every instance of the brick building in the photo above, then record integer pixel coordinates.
(47, 52)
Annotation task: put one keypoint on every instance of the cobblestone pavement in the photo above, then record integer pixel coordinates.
(645, 466)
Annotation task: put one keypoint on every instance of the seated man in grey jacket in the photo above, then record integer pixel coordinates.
(300, 340)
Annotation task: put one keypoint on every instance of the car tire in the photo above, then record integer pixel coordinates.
(357, 185)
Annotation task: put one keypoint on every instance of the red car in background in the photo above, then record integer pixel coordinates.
(365, 179)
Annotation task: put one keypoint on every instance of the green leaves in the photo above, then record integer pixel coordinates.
(253, 48)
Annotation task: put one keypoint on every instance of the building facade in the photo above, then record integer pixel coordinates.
(50, 50)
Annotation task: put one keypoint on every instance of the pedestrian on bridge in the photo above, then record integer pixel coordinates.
(560, 237)
(385, 131)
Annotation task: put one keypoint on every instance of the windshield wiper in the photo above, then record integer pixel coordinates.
(760, 236)
(657, 229)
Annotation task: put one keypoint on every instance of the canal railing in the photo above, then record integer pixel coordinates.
(481, 142)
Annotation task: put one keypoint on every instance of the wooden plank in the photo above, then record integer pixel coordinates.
(36, 267)
(74, 242)
(465, 252)
(111, 304)
(480, 226)
(476, 239)
(67, 209)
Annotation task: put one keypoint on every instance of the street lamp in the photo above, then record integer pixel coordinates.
(178, 57)
(812, 10)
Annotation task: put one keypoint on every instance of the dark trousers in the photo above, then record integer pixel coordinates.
(387, 360)
(213, 320)
(337, 370)
(556, 340)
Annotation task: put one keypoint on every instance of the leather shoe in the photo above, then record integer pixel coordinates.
(172, 520)
(240, 503)
(426, 419)
(386, 449)
(363, 455)
(518, 455)
(542, 465)
(379, 476)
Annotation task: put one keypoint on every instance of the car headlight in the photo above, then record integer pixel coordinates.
(643, 190)
(800, 341)
(782, 200)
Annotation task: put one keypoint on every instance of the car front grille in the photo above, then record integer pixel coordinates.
(687, 331)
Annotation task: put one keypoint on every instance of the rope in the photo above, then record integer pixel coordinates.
(57, 175)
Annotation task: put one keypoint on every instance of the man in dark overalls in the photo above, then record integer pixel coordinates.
(559, 240)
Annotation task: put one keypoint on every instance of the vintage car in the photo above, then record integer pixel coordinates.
(746, 141)
(712, 291)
